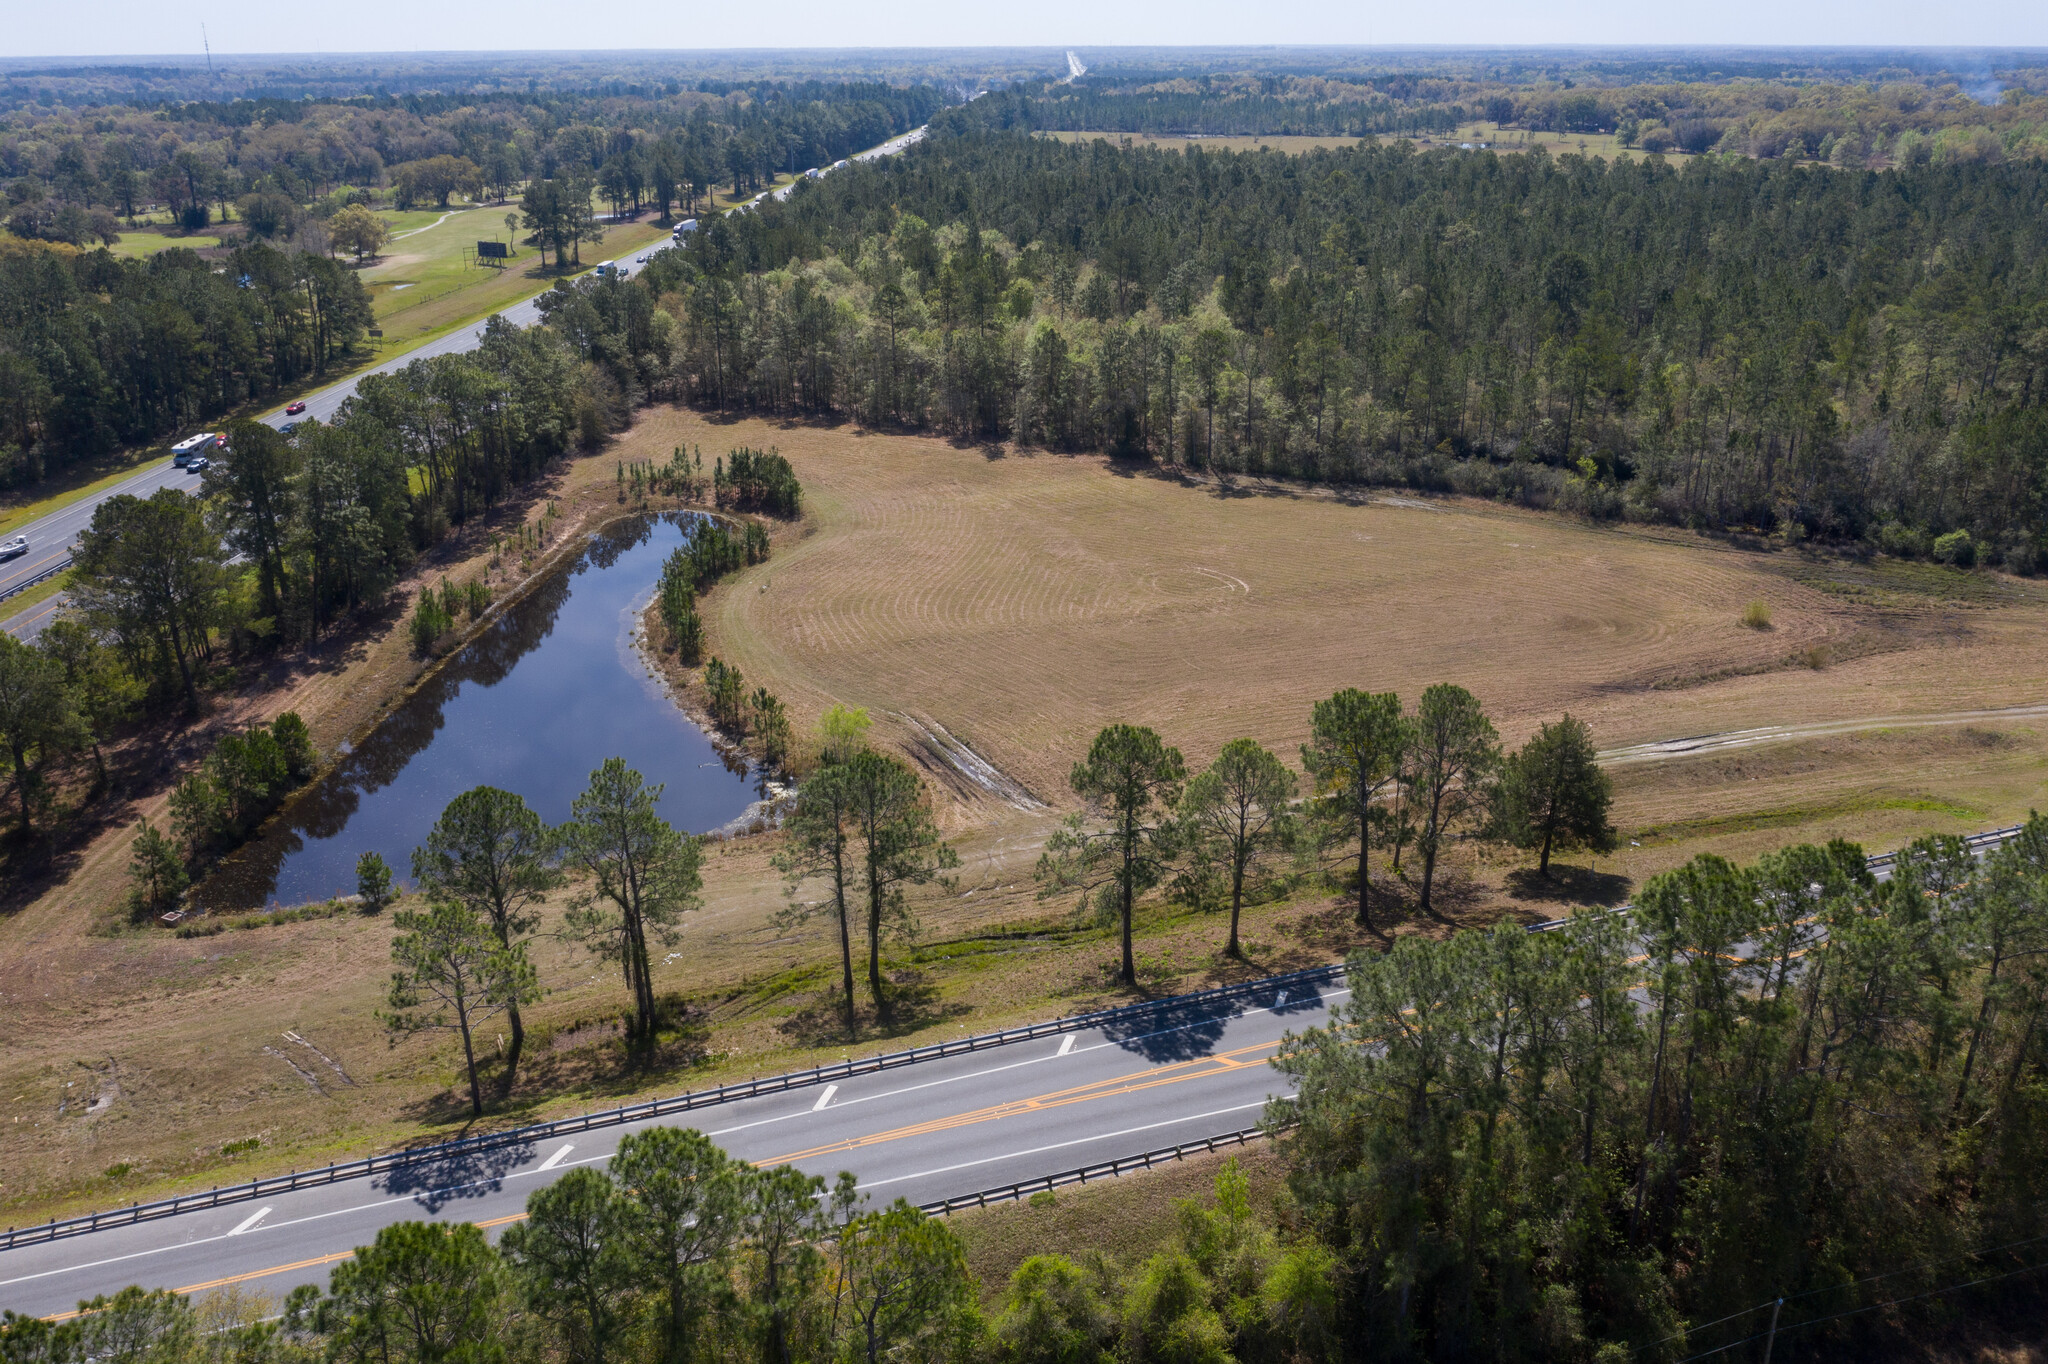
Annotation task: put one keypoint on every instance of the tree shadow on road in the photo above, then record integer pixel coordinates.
(437, 1182)
(1173, 1031)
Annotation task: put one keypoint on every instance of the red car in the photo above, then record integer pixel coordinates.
(294, 409)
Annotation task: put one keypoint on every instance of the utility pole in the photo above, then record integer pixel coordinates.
(1772, 1339)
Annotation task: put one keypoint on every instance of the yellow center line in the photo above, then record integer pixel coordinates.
(1201, 1067)
(238, 1278)
(1222, 1063)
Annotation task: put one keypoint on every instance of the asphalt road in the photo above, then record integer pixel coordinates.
(53, 537)
(932, 1130)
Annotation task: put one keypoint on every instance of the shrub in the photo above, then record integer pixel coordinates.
(241, 782)
(1956, 548)
(1900, 540)
(430, 621)
(726, 694)
(1757, 615)
(158, 873)
(758, 480)
(374, 885)
(295, 744)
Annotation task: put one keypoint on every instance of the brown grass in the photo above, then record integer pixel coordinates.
(1022, 601)
(1129, 1218)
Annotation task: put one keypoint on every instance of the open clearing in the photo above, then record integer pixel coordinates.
(996, 607)
(422, 285)
(141, 243)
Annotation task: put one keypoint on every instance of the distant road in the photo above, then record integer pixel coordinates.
(52, 538)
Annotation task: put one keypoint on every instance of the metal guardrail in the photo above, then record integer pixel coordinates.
(684, 1103)
(41, 577)
(1107, 1169)
(1977, 843)
(631, 1113)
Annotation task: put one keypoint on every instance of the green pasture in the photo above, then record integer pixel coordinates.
(144, 243)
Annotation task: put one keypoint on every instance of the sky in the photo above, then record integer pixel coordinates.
(172, 27)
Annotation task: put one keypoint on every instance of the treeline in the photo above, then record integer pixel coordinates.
(245, 778)
(1853, 124)
(1727, 345)
(330, 516)
(710, 550)
(1379, 777)
(200, 159)
(1833, 1097)
(287, 535)
(1821, 1123)
(97, 353)
(1224, 108)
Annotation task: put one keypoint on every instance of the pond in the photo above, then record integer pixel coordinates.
(552, 688)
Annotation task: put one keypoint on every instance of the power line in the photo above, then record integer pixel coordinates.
(1852, 1283)
(1871, 1307)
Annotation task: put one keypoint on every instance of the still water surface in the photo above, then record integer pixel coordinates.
(548, 692)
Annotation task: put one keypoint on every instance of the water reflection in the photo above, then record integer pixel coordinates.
(549, 691)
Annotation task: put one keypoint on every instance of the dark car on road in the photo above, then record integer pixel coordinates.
(197, 463)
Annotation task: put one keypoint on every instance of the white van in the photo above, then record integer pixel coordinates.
(203, 443)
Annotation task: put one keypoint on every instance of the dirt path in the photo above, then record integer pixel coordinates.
(414, 232)
(1664, 749)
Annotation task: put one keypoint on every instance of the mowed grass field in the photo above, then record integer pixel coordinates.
(1024, 601)
(422, 284)
(142, 243)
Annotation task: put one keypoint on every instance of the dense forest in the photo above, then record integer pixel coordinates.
(98, 352)
(206, 153)
(1731, 343)
(1866, 123)
(1776, 1100)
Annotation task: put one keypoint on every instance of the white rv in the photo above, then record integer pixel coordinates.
(203, 443)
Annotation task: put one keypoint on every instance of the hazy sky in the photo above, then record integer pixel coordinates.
(160, 27)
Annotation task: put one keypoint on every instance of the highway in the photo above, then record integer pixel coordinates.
(53, 537)
(939, 1128)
